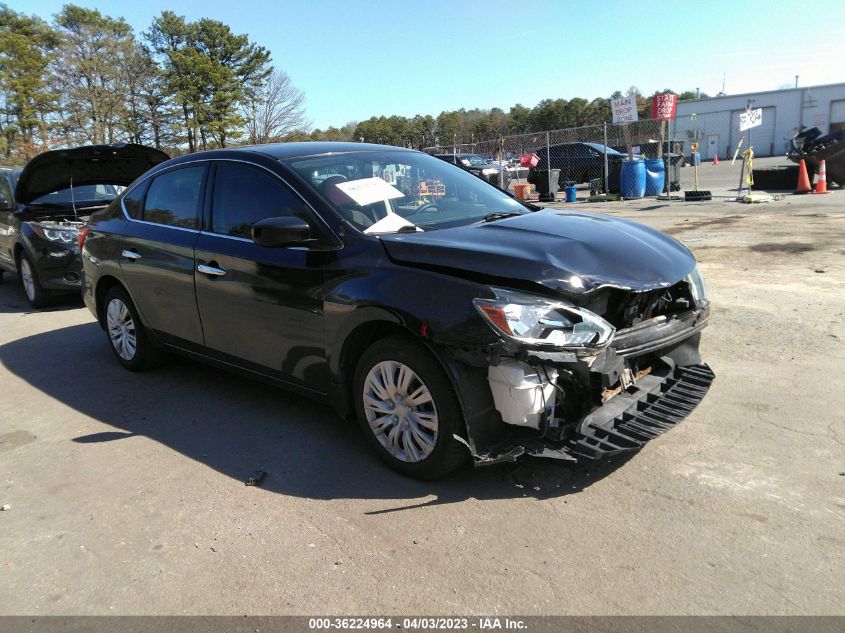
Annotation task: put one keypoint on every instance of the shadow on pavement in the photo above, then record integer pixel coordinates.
(236, 426)
(13, 300)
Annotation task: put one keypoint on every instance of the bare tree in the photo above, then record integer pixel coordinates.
(277, 109)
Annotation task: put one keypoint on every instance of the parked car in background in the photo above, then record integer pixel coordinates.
(52, 198)
(8, 180)
(10, 177)
(479, 166)
(579, 163)
(451, 319)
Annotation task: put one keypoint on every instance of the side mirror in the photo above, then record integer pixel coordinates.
(281, 231)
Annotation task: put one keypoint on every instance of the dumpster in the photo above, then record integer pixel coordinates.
(542, 184)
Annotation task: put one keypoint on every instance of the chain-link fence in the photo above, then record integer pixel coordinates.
(693, 154)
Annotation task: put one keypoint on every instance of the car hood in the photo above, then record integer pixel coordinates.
(118, 164)
(564, 251)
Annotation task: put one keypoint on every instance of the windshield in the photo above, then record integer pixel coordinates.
(473, 160)
(600, 149)
(389, 191)
(85, 193)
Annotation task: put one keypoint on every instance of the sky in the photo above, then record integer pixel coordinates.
(357, 59)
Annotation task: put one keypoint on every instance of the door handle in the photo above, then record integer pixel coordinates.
(210, 270)
(130, 254)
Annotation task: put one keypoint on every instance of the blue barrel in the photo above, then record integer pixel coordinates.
(632, 179)
(655, 176)
(571, 193)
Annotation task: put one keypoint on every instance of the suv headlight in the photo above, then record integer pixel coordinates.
(63, 235)
(697, 288)
(539, 320)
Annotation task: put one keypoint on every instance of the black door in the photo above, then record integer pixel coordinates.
(260, 307)
(157, 253)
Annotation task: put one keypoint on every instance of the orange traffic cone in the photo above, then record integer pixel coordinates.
(715, 160)
(803, 179)
(821, 183)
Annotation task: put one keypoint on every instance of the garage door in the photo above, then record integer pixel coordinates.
(837, 115)
(762, 136)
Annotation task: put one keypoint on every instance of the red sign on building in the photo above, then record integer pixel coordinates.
(663, 107)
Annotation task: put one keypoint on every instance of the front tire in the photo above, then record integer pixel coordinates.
(128, 338)
(37, 296)
(407, 408)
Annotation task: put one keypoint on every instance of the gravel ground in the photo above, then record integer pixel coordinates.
(126, 491)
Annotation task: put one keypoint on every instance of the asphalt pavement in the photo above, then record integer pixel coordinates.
(126, 491)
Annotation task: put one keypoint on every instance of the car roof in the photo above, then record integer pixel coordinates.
(596, 146)
(282, 151)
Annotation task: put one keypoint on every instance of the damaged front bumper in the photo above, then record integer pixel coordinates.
(657, 403)
(569, 407)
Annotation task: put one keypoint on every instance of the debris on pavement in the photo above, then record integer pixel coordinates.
(761, 197)
(5, 507)
(255, 478)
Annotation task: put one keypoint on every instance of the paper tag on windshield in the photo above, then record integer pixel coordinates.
(391, 223)
(369, 190)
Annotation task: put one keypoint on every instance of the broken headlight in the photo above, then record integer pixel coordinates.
(697, 289)
(539, 320)
(63, 235)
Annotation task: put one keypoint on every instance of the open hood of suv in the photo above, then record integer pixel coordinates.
(118, 164)
(549, 248)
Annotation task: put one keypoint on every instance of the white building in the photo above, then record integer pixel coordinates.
(715, 120)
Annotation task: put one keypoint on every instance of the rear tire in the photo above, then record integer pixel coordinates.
(127, 336)
(411, 412)
(37, 296)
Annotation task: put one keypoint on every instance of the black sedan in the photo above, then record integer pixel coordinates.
(53, 196)
(452, 320)
(479, 166)
(579, 163)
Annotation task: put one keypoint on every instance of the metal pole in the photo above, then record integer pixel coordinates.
(549, 166)
(606, 189)
(501, 165)
(667, 157)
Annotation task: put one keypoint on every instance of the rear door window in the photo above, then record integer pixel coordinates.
(173, 198)
(244, 195)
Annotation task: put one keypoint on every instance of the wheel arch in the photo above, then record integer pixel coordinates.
(356, 341)
(18, 250)
(366, 334)
(104, 284)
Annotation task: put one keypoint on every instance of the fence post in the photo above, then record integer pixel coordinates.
(501, 153)
(606, 190)
(549, 165)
